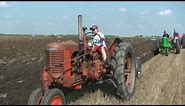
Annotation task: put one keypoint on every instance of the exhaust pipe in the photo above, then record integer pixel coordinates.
(80, 27)
(80, 33)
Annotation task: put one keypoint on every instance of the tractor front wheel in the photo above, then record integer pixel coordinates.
(53, 97)
(35, 97)
(166, 51)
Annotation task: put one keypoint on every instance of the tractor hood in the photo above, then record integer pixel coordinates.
(71, 45)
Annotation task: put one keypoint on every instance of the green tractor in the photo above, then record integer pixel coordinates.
(165, 46)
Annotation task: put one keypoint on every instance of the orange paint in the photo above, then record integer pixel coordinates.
(56, 100)
(68, 63)
(78, 87)
(46, 79)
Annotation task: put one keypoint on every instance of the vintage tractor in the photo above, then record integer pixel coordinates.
(176, 42)
(165, 46)
(70, 65)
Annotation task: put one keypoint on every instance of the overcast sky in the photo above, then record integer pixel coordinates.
(118, 18)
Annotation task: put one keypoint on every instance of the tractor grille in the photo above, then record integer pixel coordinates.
(55, 61)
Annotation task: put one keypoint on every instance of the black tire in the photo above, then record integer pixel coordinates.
(177, 46)
(35, 97)
(166, 51)
(118, 62)
(177, 49)
(50, 94)
(163, 51)
(156, 52)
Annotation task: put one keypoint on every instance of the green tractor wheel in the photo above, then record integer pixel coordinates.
(166, 51)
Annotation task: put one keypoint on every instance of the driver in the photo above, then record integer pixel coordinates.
(99, 41)
(175, 36)
(165, 34)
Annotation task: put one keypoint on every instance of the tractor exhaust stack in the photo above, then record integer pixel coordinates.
(80, 33)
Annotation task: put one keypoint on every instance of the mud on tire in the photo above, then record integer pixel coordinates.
(124, 74)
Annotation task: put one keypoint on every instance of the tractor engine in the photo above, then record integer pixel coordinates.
(58, 63)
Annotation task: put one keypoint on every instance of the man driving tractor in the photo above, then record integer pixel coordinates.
(165, 34)
(176, 42)
(175, 36)
(99, 42)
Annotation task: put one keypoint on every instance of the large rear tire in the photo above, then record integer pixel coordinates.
(53, 97)
(178, 50)
(177, 47)
(124, 63)
(35, 97)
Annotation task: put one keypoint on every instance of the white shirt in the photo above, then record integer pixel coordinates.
(175, 39)
(96, 39)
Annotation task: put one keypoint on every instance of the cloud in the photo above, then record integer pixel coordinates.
(165, 12)
(144, 12)
(122, 9)
(3, 4)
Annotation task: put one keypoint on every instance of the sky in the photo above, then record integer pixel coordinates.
(123, 18)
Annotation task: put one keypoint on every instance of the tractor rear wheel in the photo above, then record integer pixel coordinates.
(177, 47)
(53, 97)
(124, 63)
(35, 97)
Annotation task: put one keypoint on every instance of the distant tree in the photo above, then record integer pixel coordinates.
(136, 36)
(141, 36)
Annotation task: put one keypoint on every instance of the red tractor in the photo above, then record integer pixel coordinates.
(176, 42)
(71, 65)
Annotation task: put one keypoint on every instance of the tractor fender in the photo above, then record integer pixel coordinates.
(114, 43)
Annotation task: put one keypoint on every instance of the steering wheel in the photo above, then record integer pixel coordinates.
(89, 37)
